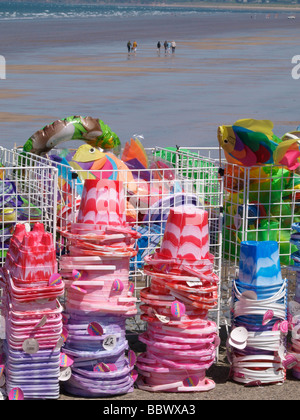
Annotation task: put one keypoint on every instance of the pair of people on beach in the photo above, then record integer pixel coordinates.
(167, 46)
(131, 47)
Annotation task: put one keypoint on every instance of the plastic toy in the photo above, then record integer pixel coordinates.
(90, 130)
(180, 341)
(256, 348)
(250, 142)
(99, 295)
(31, 288)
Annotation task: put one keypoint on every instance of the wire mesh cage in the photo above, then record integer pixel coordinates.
(172, 178)
(28, 194)
(260, 204)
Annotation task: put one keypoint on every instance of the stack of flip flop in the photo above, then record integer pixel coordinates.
(294, 306)
(257, 342)
(33, 315)
(99, 295)
(180, 340)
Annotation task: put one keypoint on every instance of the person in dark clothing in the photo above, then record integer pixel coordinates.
(129, 46)
(166, 46)
(158, 46)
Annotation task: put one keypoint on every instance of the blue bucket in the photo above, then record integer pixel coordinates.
(254, 324)
(259, 263)
(254, 320)
(262, 292)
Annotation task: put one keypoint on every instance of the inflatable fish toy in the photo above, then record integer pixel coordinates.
(252, 142)
(89, 161)
(288, 153)
(84, 157)
(90, 130)
(248, 142)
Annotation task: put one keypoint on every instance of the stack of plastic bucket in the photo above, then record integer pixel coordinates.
(33, 315)
(99, 293)
(294, 306)
(257, 342)
(180, 340)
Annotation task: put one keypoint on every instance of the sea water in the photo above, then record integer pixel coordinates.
(35, 10)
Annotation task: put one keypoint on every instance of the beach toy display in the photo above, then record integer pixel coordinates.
(260, 205)
(262, 180)
(14, 208)
(180, 340)
(33, 315)
(99, 295)
(257, 341)
(150, 183)
(294, 305)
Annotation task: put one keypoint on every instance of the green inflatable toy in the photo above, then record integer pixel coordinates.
(90, 130)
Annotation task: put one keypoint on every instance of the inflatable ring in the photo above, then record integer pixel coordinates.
(90, 130)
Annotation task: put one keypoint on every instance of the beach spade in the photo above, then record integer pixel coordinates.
(267, 316)
(95, 329)
(16, 394)
(105, 367)
(65, 360)
(55, 279)
(118, 286)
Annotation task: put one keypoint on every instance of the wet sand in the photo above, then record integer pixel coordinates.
(226, 66)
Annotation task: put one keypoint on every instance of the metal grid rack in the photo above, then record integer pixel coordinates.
(260, 203)
(149, 193)
(28, 194)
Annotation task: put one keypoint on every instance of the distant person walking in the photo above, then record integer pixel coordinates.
(158, 46)
(129, 46)
(173, 46)
(166, 46)
(134, 46)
